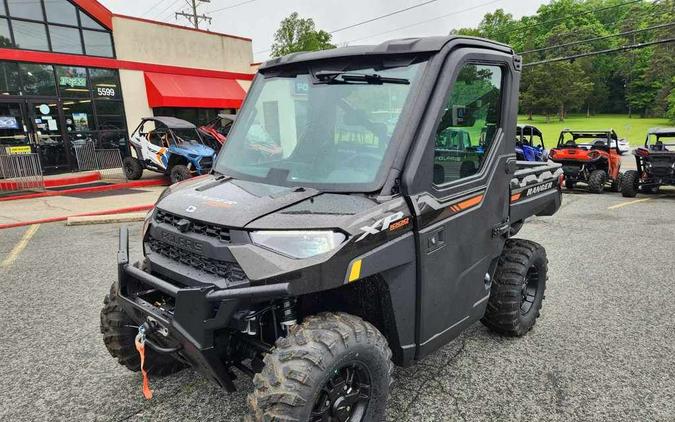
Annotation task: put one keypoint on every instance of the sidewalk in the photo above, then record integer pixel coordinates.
(63, 206)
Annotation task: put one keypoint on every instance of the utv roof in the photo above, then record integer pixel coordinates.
(527, 130)
(392, 47)
(590, 133)
(171, 122)
(662, 131)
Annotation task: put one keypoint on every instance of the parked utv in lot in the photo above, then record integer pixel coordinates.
(589, 156)
(356, 248)
(530, 144)
(168, 145)
(655, 164)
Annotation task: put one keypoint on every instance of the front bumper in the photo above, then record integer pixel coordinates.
(195, 317)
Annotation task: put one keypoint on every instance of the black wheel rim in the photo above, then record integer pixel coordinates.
(128, 170)
(529, 290)
(345, 396)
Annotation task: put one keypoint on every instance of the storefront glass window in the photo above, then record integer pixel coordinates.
(88, 22)
(30, 35)
(109, 107)
(9, 78)
(97, 43)
(72, 81)
(79, 115)
(28, 9)
(5, 37)
(65, 40)
(110, 122)
(61, 11)
(104, 83)
(38, 79)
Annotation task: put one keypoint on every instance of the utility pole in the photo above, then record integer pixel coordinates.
(192, 15)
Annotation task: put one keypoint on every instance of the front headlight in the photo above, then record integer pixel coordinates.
(298, 243)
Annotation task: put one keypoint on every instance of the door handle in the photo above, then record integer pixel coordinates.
(436, 240)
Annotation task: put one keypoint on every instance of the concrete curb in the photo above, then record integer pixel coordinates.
(105, 219)
(65, 217)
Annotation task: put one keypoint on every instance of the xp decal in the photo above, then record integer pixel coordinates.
(381, 225)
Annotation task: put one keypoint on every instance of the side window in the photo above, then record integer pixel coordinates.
(469, 123)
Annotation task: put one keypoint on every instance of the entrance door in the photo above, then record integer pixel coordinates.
(14, 133)
(48, 135)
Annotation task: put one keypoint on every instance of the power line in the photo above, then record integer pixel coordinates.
(456, 12)
(231, 6)
(383, 16)
(152, 7)
(606, 51)
(167, 8)
(620, 34)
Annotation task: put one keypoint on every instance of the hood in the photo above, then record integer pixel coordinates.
(191, 149)
(230, 202)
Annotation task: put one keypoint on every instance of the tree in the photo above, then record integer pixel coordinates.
(671, 103)
(297, 34)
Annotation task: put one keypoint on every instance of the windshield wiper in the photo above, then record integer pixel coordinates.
(334, 77)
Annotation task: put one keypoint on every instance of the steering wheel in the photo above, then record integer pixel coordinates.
(358, 159)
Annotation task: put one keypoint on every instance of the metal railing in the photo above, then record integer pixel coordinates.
(21, 172)
(108, 162)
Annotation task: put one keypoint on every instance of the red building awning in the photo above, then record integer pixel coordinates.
(168, 90)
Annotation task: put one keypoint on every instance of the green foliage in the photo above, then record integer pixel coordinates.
(635, 81)
(297, 34)
(671, 103)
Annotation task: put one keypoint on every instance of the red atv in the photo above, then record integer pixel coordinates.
(218, 128)
(591, 157)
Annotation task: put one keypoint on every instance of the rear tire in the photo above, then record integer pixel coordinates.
(119, 335)
(320, 355)
(596, 181)
(517, 290)
(179, 173)
(132, 168)
(629, 184)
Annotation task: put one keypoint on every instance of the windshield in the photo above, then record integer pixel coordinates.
(186, 136)
(328, 130)
(661, 142)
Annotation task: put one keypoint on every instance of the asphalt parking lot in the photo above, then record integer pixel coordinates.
(602, 350)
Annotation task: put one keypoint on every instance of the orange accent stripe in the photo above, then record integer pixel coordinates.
(468, 203)
(515, 197)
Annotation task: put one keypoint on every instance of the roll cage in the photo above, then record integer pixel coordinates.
(602, 139)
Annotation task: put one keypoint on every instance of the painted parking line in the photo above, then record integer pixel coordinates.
(623, 204)
(16, 251)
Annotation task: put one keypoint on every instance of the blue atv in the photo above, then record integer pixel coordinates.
(527, 147)
(168, 145)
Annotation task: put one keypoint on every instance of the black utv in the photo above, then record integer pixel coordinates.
(655, 164)
(358, 246)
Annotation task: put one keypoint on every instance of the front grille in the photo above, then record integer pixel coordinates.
(198, 227)
(227, 270)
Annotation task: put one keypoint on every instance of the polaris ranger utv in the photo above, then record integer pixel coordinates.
(357, 247)
(655, 164)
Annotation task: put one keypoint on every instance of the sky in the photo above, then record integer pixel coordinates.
(259, 19)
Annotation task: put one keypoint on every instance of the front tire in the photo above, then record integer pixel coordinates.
(119, 335)
(334, 366)
(179, 173)
(132, 168)
(517, 290)
(596, 181)
(630, 183)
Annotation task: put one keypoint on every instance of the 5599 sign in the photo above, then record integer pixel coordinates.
(105, 92)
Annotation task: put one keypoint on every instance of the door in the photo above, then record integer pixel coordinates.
(14, 134)
(46, 127)
(465, 193)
